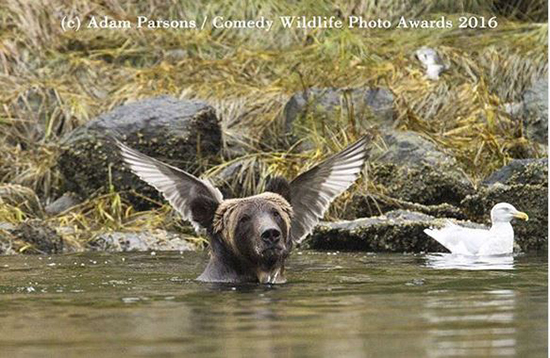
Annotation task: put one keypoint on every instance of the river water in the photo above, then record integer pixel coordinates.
(334, 304)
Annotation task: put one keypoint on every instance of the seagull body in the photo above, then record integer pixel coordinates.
(499, 240)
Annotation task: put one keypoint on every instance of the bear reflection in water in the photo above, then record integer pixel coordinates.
(250, 238)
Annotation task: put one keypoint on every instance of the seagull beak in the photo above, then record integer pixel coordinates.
(521, 215)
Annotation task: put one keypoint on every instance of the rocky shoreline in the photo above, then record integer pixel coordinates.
(421, 185)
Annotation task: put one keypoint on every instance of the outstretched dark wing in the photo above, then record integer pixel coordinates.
(178, 187)
(312, 192)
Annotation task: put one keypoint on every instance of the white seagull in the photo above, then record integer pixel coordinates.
(499, 240)
(432, 62)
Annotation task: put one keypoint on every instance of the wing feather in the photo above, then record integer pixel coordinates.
(313, 191)
(178, 187)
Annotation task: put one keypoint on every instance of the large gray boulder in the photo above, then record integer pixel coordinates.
(38, 237)
(524, 184)
(535, 102)
(396, 231)
(183, 133)
(520, 171)
(155, 240)
(413, 169)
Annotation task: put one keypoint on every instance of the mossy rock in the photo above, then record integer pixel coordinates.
(424, 184)
(397, 231)
(524, 184)
(521, 171)
(183, 133)
(40, 237)
(370, 205)
(6, 238)
(412, 168)
(532, 199)
(149, 240)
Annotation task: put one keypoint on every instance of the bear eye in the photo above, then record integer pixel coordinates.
(244, 218)
(276, 214)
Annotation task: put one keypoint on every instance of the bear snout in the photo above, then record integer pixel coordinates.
(271, 236)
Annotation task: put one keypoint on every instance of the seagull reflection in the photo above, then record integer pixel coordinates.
(481, 326)
(464, 262)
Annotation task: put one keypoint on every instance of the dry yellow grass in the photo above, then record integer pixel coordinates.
(54, 81)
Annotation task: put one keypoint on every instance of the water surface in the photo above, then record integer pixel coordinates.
(353, 305)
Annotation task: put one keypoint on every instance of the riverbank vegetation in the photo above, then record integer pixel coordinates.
(54, 81)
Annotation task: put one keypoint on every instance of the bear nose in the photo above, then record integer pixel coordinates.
(272, 236)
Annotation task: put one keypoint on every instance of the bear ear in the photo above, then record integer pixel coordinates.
(279, 185)
(203, 208)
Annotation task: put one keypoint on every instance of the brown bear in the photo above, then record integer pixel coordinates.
(250, 238)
